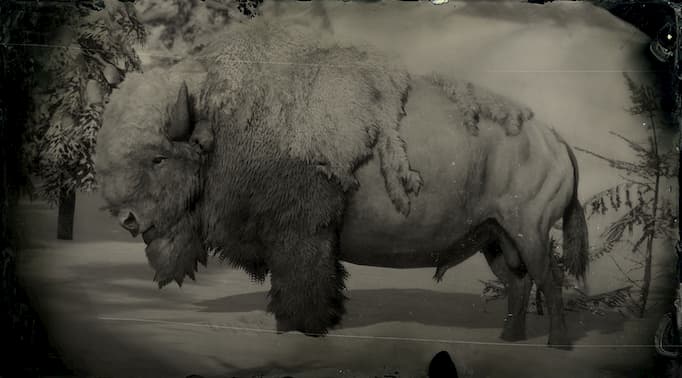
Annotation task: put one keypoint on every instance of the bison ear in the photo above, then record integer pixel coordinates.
(179, 126)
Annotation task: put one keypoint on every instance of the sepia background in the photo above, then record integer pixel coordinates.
(565, 60)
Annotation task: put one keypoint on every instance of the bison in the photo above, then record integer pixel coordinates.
(285, 159)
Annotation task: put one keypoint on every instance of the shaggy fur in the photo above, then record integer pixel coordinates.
(267, 212)
(162, 192)
(475, 102)
(279, 127)
(176, 254)
(165, 193)
(329, 105)
(137, 112)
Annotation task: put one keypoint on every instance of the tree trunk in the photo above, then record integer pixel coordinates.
(67, 208)
(646, 284)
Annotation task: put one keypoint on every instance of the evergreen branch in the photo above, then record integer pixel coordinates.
(644, 184)
(614, 233)
(669, 165)
(633, 261)
(634, 145)
(625, 275)
(643, 100)
(597, 196)
(63, 149)
(666, 233)
(603, 194)
(618, 164)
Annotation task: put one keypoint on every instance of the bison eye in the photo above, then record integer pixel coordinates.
(158, 159)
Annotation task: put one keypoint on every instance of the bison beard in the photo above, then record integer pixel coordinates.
(176, 254)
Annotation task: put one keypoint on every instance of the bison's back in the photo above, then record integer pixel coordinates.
(467, 179)
(311, 95)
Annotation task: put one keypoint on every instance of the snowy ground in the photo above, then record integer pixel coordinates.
(565, 60)
(106, 316)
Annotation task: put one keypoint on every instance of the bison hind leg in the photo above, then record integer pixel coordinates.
(518, 285)
(536, 256)
(504, 260)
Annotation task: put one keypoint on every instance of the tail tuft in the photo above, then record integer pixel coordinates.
(576, 248)
(575, 233)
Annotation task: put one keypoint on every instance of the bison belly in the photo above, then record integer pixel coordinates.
(448, 206)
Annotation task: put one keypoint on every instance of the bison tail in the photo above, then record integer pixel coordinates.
(575, 233)
(576, 249)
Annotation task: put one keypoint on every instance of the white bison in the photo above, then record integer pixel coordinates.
(291, 155)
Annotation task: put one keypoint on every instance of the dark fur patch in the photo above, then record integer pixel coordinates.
(268, 213)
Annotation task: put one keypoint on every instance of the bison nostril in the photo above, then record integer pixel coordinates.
(129, 222)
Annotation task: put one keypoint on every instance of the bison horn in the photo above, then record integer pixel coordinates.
(179, 127)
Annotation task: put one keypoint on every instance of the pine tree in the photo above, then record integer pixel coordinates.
(91, 55)
(181, 27)
(643, 213)
(26, 29)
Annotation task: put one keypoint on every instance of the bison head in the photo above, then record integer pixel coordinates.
(150, 171)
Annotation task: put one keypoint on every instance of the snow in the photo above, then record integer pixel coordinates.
(108, 318)
(106, 315)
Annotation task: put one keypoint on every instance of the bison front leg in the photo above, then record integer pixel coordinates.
(307, 283)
